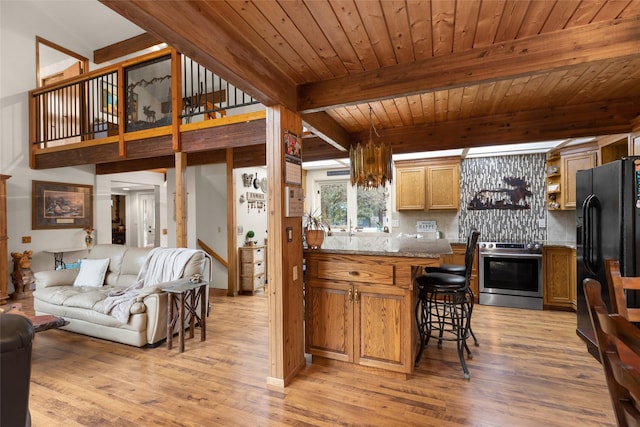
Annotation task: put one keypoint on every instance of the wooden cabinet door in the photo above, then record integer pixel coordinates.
(559, 277)
(443, 187)
(329, 319)
(382, 323)
(410, 188)
(571, 164)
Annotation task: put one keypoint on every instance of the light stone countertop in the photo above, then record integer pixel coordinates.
(386, 245)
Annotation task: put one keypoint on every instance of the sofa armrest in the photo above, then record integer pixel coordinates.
(47, 278)
(145, 292)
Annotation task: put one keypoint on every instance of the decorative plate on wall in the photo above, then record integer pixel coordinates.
(263, 185)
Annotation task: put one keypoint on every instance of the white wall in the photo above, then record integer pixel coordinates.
(249, 218)
(211, 221)
(18, 23)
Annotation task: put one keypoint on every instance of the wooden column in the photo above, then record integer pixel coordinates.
(181, 199)
(284, 259)
(4, 254)
(232, 252)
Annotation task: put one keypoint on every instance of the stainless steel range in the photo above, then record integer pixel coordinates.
(510, 274)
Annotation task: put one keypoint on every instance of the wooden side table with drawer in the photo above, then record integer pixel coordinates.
(253, 268)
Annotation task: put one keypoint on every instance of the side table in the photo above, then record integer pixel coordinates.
(185, 295)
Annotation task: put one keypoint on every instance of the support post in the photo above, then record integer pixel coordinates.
(284, 258)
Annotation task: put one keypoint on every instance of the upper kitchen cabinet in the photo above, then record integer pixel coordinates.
(431, 184)
(571, 164)
(613, 147)
(561, 175)
(410, 188)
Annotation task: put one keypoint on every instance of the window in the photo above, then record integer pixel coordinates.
(333, 203)
(344, 206)
(372, 207)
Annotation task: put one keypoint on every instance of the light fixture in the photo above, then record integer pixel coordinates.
(371, 164)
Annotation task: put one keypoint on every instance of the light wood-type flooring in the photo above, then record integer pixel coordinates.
(530, 370)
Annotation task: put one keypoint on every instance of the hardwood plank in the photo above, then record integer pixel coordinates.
(529, 370)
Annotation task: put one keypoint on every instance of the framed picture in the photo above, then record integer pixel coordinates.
(109, 98)
(61, 205)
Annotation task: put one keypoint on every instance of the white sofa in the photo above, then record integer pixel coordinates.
(83, 306)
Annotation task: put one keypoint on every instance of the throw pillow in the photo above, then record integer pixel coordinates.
(92, 272)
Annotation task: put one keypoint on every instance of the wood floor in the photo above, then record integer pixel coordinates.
(530, 370)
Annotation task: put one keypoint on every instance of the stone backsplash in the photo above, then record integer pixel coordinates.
(497, 187)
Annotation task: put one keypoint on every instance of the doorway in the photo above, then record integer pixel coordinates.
(147, 215)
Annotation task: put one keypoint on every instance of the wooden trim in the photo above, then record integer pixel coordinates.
(80, 58)
(213, 253)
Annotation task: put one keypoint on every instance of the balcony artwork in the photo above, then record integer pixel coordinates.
(148, 95)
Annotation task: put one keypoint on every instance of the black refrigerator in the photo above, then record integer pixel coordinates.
(607, 226)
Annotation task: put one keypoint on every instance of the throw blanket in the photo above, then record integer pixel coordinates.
(161, 265)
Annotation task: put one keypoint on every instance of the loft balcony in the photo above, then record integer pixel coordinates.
(138, 113)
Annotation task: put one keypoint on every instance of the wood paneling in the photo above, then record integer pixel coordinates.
(426, 63)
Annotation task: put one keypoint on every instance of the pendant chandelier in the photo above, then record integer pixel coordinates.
(371, 164)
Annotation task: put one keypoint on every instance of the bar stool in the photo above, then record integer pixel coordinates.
(444, 307)
(460, 270)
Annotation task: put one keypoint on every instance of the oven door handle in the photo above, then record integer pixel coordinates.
(510, 255)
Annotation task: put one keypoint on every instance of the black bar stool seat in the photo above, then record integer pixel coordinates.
(447, 268)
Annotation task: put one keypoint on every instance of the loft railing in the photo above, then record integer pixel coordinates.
(207, 94)
(131, 96)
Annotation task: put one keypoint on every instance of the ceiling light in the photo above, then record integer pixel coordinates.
(371, 164)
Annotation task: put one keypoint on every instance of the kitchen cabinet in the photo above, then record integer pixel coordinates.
(253, 268)
(561, 177)
(571, 164)
(410, 188)
(432, 184)
(359, 309)
(457, 257)
(559, 272)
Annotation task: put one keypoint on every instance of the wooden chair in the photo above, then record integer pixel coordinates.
(619, 348)
(618, 285)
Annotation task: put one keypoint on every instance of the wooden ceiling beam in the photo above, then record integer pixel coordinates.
(328, 129)
(597, 42)
(186, 26)
(602, 118)
(125, 47)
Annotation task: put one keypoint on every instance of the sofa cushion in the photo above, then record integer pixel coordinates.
(115, 253)
(92, 272)
(48, 278)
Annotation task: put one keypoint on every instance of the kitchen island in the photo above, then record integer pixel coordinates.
(360, 298)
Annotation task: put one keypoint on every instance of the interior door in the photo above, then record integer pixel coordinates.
(147, 204)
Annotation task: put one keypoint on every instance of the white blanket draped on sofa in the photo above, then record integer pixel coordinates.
(161, 265)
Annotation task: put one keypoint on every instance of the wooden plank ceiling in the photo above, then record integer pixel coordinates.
(436, 74)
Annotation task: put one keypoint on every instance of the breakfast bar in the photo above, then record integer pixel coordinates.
(360, 297)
